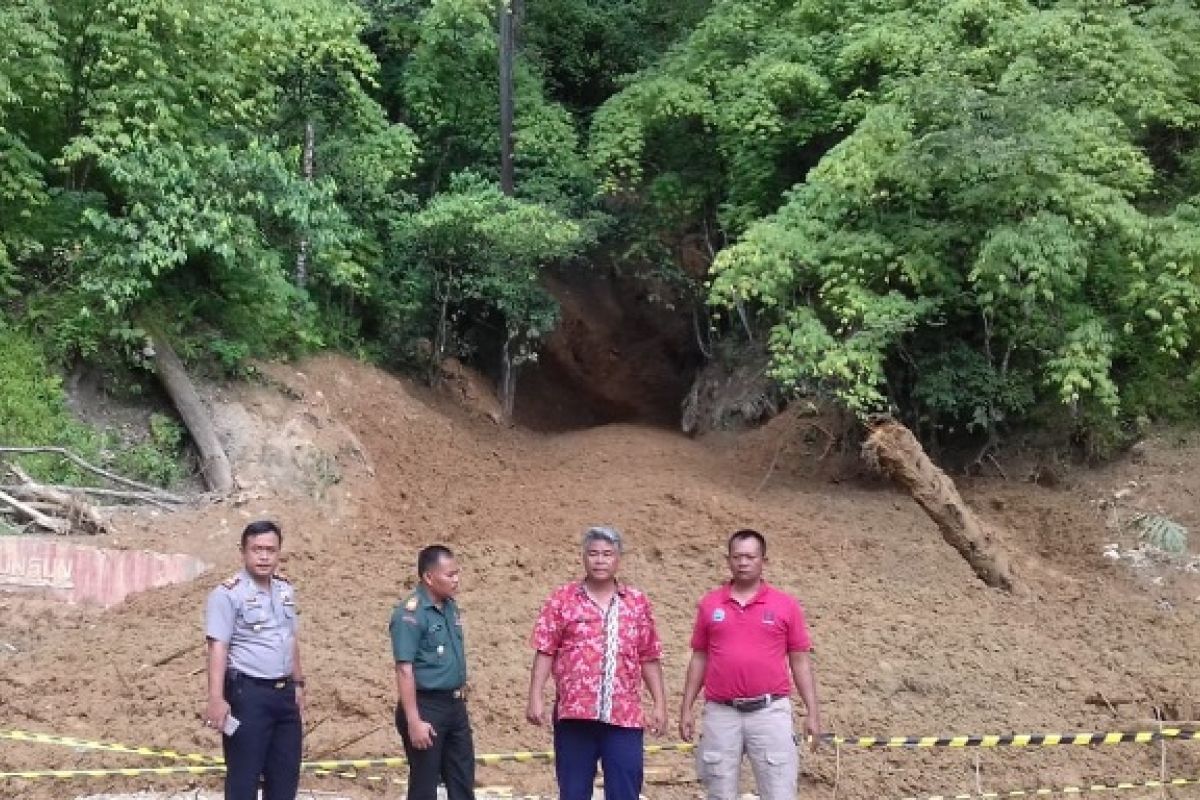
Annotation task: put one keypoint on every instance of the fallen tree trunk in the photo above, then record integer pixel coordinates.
(214, 464)
(33, 515)
(63, 504)
(898, 454)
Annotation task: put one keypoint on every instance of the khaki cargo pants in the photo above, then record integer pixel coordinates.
(765, 736)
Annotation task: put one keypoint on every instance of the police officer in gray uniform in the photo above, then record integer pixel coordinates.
(255, 683)
(431, 679)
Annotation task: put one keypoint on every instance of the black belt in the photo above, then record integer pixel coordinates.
(273, 683)
(748, 704)
(449, 694)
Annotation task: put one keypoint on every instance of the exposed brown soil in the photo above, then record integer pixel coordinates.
(622, 351)
(908, 640)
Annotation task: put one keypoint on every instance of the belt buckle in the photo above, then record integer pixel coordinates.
(280, 684)
(748, 704)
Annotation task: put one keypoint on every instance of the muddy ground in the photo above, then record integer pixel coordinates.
(362, 469)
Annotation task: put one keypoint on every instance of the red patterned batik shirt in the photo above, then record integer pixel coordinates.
(598, 653)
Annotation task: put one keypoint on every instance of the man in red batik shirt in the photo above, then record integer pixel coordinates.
(598, 639)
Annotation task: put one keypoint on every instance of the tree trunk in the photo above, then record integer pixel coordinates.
(441, 333)
(508, 381)
(900, 456)
(507, 48)
(214, 464)
(306, 166)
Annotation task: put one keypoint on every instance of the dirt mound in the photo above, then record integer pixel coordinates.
(908, 641)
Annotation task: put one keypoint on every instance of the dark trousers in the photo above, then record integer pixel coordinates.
(579, 744)
(266, 745)
(451, 757)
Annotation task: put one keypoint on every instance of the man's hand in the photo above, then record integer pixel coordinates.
(421, 734)
(535, 710)
(812, 729)
(657, 723)
(687, 726)
(215, 713)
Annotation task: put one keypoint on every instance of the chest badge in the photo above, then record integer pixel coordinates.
(718, 615)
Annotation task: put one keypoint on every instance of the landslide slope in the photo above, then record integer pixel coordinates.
(908, 641)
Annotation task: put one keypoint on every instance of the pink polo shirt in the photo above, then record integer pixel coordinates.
(747, 646)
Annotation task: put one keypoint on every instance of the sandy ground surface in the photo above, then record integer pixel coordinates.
(908, 641)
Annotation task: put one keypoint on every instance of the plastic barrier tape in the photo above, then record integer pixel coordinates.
(110, 747)
(100, 773)
(216, 764)
(1095, 787)
(1015, 739)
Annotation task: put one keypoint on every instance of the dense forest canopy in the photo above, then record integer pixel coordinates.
(975, 214)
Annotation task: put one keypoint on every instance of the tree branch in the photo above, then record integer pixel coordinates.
(112, 476)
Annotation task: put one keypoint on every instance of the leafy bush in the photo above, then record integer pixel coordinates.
(33, 410)
(156, 460)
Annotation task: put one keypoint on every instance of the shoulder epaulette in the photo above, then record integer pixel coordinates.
(232, 581)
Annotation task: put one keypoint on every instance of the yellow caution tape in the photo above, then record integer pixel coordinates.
(111, 747)
(101, 773)
(1015, 739)
(216, 764)
(1095, 787)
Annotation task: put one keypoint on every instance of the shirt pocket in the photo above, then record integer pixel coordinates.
(434, 640)
(255, 616)
(581, 627)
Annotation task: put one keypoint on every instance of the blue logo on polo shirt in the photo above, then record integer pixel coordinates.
(719, 615)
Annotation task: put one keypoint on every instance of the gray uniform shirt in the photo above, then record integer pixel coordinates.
(258, 625)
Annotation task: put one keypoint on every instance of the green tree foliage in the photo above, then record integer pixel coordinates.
(155, 169)
(32, 78)
(440, 72)
(471, 258)
(962, 210)
(586, 48)
(159, 153)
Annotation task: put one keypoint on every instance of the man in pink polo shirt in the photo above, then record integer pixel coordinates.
(749, 645)
(598, 638)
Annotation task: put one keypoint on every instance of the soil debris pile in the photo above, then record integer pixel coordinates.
(908, 641)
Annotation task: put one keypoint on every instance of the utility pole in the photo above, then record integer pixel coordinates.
(509, 11)
(507, 51)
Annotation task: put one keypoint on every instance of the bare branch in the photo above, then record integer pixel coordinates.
(116, 494)
(112, 476)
